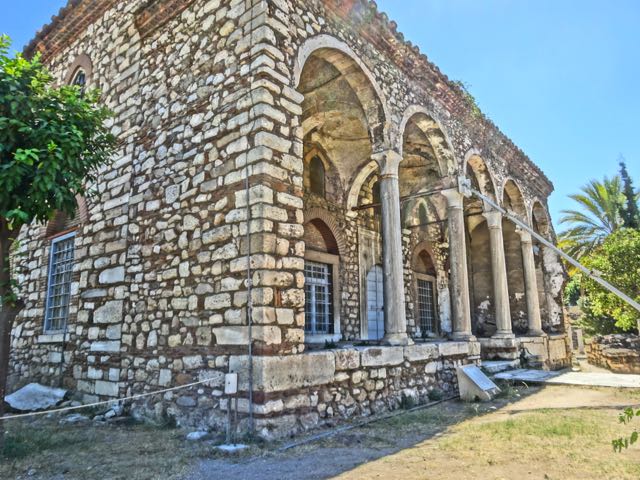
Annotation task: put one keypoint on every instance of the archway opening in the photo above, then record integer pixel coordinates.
(513, 201)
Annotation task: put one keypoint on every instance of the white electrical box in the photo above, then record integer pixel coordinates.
(231, 383)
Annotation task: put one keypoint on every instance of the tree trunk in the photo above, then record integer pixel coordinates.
(8, 312)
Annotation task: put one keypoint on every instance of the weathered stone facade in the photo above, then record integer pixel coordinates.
(196, 246)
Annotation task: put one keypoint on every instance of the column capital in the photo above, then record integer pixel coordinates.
(494, 219)
(525, 237)
(455, 199)
(388, 161)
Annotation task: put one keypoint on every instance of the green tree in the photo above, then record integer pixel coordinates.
(617, 260)
(596, 216)
(629, 212)
(52, 141)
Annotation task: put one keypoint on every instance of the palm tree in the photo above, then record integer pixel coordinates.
(596, 216)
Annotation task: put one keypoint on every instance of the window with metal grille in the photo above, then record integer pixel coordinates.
(426, 306)
(59, 283)
(318, 302)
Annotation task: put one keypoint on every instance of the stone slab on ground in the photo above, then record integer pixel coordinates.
(474, 384)
(587, 379)
(35, 397)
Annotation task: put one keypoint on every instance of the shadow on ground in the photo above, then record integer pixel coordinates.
(346, 451)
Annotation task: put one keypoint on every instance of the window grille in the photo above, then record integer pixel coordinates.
(426, 306)
(318, 302)
(80, 80)
(59, 282)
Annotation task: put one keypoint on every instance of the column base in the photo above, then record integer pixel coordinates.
(503, 335)
(536, 333)
(463, 337)
(396, 340)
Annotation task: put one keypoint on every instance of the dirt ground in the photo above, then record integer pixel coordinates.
(557, 432)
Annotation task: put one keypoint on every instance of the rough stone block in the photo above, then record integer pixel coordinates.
(421, 352)
(110, 312)
(382, 356)
(451, 349)
(347, 359)
(276, 374)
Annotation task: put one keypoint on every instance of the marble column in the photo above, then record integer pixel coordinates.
(459, 283)
(395, 319)
(531, 284)
(499, 273)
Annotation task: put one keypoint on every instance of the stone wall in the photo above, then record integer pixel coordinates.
(206, 199)
(618, 353)
(304, 391)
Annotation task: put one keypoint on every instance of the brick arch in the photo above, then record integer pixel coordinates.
(61, 222)
(360, 78)
(81, 62)
(326, 218)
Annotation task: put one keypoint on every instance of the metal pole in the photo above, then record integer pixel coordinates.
(595, 276)
(464, 185)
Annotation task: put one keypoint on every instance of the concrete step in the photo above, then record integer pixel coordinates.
(497, 366)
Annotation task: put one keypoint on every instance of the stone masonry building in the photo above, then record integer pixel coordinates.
(287, 179)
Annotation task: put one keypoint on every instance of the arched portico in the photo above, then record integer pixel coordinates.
(344, 116)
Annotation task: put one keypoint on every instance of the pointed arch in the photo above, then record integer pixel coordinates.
(353, 70)
(513, 200)
(475, 166)
(434, 133)
(317, 214)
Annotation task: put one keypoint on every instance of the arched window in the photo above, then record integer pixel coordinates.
(80, 72)
(321, 283)
(317, 176)
(425, 285)
(61, 231)
(80, 79)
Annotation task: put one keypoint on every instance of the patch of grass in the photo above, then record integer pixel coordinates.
(20, 443)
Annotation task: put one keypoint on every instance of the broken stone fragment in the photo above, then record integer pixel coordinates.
(34, 397)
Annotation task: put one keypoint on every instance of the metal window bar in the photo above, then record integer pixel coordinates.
(59, 281)
(318, 298)
(426, 306)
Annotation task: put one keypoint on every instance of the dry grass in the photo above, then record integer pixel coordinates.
(43, 449)
(539, 444)
(521, 439)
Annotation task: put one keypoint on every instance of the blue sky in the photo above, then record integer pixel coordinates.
(560, 77)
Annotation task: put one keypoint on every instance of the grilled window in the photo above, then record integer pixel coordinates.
(319, 302)
(59, 291)
(426, 306)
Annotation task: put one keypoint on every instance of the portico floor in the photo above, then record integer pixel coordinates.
(565, 377)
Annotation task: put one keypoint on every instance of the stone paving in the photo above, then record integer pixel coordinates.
(565, 377)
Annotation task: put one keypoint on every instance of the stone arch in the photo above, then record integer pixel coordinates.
(541, 220)
(359, 77)
(326, 218)
(356, 185)
(424, 246)
(435, 133)
(513, 200)
(414, 210)
(81, 62)
(482, 176)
